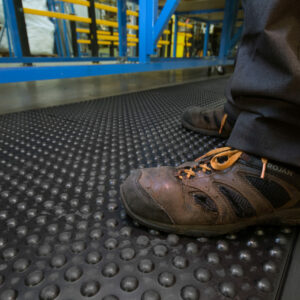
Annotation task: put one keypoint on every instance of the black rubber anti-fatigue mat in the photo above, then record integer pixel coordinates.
(64, 233)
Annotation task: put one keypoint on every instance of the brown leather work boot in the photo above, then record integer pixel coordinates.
(207, 121)
(223, 191)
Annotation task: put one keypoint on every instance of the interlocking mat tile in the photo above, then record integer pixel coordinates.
(64, 233)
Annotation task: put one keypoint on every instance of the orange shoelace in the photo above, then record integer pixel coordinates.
(224, 119)
(216, 163)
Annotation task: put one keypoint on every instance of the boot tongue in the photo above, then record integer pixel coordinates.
(251, 160)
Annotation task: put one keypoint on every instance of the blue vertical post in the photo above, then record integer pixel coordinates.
(230, 12)
(163, 19)
(122, 28)
(142, 31)
(175, 35)
(147, 18)
(151, 26)
(206, 38)
(7, 29)
(58, 41)
(66, 40)
(10, 16)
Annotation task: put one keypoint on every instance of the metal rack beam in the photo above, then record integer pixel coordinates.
(58, 72)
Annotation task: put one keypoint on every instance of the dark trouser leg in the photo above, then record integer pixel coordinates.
(265, 86)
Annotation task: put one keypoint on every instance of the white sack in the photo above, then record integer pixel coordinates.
(40, 30)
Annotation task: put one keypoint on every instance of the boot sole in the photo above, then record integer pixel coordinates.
(289, 217)
(202, 131)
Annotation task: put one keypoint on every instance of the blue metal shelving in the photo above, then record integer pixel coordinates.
(152, 21)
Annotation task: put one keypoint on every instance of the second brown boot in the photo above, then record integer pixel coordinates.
(212, 122)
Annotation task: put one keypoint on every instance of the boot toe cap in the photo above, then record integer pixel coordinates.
(192, 116)
(138, 203)
(189, 113)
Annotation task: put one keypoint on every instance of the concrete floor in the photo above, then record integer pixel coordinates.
(37, 94)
